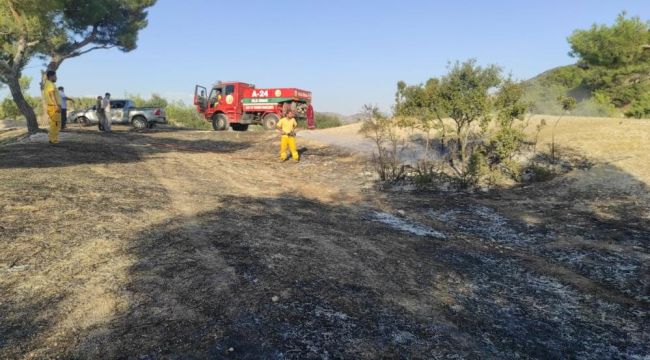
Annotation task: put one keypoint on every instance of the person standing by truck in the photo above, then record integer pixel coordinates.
(53, 106)
(64, 107)
(287, 127)
(106, 107)
(311, 124)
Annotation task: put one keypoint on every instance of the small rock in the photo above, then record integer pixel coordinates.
(275, 298)
(231, 349)
(401, 213)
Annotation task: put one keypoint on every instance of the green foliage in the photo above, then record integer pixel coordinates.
(110, 22)
(178, 113)
(567, 103)
(417, 107)
(613, 70)
(612, 46)
(463, 95)
(543, 97)
(566, 76)
(8, 107)
(641, 109)
(510, 104)
(487, 110)
(427, 172)
(476, 170)
(604, 104)
(505, 143)
(324, 121)
(185, 116)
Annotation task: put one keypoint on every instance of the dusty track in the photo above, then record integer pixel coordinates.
(174, 244)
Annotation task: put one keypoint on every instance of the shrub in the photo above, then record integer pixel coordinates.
(324, 121)
(640, 109)
(382, 131)
(537, 173)
(186, 116)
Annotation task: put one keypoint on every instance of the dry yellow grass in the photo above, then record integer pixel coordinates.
(624, 143)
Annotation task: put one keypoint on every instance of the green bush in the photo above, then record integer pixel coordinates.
(324, 121)
(640, 109)
(186, 116)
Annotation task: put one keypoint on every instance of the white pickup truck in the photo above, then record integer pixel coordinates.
(123, 112)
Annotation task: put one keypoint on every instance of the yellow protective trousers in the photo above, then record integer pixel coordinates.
(288, 141)
(55, 123)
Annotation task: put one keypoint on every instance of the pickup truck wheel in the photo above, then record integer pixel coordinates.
(240, 127)
(139, 122)
(151, 125)
(83, 120)
(219, 122)
(269, 121)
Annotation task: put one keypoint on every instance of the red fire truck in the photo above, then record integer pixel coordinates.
(238, 104)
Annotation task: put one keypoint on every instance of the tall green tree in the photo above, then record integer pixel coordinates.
(56, 30)
(621, 44)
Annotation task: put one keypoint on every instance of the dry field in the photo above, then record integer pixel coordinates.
(186, 245)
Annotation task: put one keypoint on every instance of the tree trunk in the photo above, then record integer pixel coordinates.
(21, 103)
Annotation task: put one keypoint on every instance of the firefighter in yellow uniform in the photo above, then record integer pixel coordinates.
(287, 127)
(52, 98)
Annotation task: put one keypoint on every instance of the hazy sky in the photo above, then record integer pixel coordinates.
(348, 53)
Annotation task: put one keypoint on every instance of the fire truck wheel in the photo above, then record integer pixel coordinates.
(220, 122)
(270, 120)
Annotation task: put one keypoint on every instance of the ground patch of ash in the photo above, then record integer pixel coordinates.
(330, 320)
(518, 312)
(620, 270)
(484, 223)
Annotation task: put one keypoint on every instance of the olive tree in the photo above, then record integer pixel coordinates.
(417, 107)
(481, 106)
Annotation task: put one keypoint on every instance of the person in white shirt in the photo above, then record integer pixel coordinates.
(106, 105)
(64, 107)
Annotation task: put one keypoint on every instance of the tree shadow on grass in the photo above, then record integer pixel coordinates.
(107, 149)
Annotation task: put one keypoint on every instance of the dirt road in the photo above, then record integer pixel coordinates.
(184, 244)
